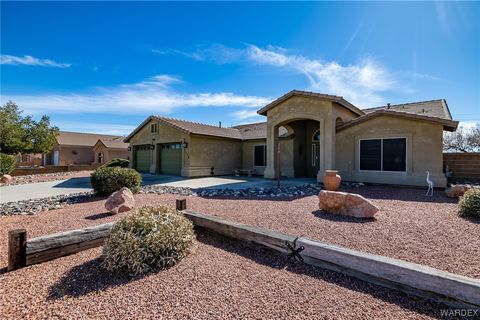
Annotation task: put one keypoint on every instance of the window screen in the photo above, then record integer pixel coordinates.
(394, 154)
(260, 156)
(371, 154)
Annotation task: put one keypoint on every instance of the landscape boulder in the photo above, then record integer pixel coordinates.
(120, 201)
(6, 179)
(345, 203)
(456, 191)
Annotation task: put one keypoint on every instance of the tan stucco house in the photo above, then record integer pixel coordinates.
(304, 134)
(73, 148)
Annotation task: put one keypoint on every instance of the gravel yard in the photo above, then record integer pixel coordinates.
(43, 177)
(409, 226)
(220, 279)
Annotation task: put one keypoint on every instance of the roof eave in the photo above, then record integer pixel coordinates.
(448, 125)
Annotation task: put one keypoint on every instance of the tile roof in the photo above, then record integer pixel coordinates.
(448, 124)
(116, 143)
(201, 128)
(253, 130)
(338, 99)
(82, 139)
(432, 108)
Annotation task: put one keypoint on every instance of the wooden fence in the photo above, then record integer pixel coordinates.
(464, 166)
(451, 289)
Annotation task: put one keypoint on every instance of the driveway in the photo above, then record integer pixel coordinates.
(76, 185)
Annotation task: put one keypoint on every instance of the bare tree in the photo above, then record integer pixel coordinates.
(462, 140)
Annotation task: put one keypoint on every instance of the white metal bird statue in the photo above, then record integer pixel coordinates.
(430, 185)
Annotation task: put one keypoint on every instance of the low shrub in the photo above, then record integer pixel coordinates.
(147, 239)
(470, 204)
(117, 162)
(7, 163)
(106, 180)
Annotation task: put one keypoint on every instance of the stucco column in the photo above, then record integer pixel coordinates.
(272, 144)
(327, 147)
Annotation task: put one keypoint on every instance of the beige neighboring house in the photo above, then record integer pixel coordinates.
(74, 148)
(108, 149)
(304, 134)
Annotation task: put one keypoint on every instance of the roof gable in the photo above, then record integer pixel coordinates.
(340, 100)
(448, 125)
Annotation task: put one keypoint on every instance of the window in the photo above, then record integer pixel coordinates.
(100, 157)
(383, 154)
(260, 156)
(316, 136)
(153, 128)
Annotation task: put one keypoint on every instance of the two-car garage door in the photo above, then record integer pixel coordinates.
(169, 158)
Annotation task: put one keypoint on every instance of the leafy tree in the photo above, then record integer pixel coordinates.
(20, 134)
(463, 140)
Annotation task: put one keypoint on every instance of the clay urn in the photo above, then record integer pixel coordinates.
(331, 180)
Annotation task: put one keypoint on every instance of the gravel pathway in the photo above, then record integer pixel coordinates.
(220, 279)
(409, 226)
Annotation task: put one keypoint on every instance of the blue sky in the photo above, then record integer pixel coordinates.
(104, 67)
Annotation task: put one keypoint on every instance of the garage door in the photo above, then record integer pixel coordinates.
(142, 158)
(171, 158)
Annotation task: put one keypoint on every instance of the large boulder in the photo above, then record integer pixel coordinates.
(120, 201)
(345, 203)
(6, 179)
(456, 191)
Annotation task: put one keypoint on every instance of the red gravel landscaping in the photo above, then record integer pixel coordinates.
(220, 279)
(409, 226)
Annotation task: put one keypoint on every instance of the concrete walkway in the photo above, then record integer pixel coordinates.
(76, 185)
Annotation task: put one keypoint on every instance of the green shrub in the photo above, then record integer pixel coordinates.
(7, 163)
(470, 204)
(106, 180)
(117, 162)
(149, 238)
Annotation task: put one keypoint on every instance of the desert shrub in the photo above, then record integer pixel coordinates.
(106, 180)
(470, 204)
(7, 163)
(117, 162)
(149, 238)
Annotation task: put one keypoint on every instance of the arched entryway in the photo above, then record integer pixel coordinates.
(301, 148)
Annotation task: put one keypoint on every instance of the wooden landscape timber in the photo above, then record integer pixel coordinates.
(454, 290)
(57, 245)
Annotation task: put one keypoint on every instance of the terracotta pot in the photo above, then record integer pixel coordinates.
(331, 180)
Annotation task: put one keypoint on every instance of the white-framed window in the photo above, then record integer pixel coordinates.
(260, 155)
(154, 128)
(314, 154)
(383, 154)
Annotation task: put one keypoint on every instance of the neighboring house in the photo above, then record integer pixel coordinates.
(74, 148)
(395, 144)
(108, 149)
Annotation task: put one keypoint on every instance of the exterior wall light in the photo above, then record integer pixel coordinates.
(184, 145)
(129, 148)
(152, 147)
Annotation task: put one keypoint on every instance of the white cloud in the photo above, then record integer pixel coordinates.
(362, 83)
(103, 128)
(154, 95)
(247, 114)
(31, 61)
